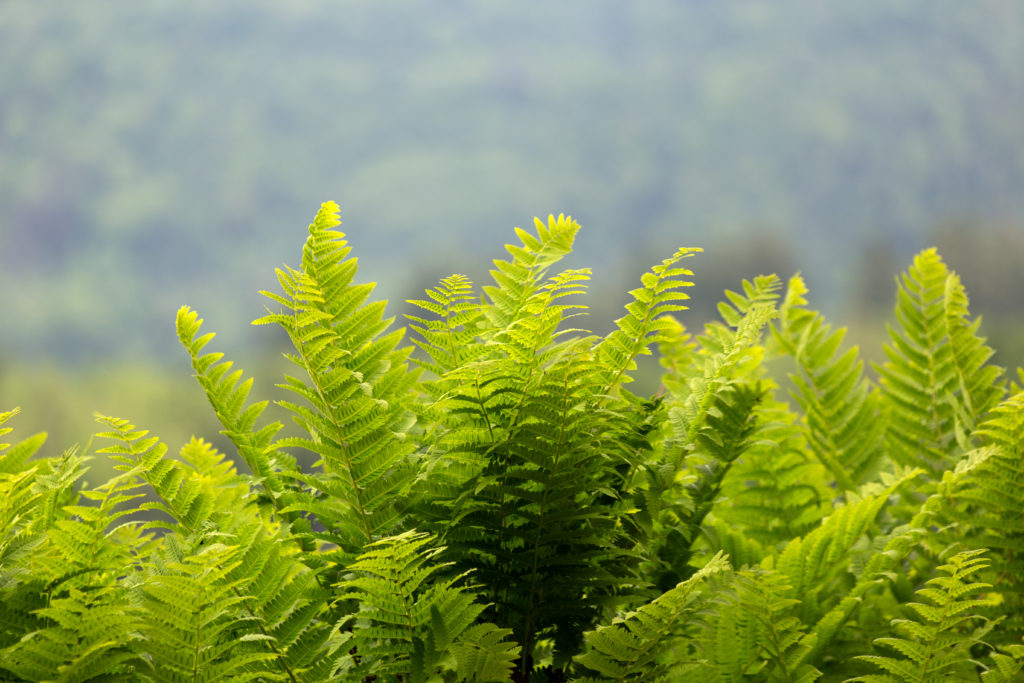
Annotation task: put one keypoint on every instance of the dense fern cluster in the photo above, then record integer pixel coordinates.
(498, 506)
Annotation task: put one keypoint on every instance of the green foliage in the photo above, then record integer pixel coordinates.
(499, 506)
(935, 645)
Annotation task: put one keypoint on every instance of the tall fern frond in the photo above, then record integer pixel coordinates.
(355, 403)
(227, 392)
(936, 644)
(937, 383)
(681, 489)
(842, 413)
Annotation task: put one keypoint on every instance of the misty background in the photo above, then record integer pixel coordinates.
(166, 153)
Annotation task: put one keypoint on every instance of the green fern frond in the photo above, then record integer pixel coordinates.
(518, 282)
(227, 393)
(731, 351)
(89, 636)
(775, 491)
(935, 645)
(190, 614)
(936, 383)
(816, 562)
(448, 339)
(355, 403)
(882, 564)
(751, 631)
(647, 321)
(409, 617)
(987, 511)
(633, 647)
(842, 412)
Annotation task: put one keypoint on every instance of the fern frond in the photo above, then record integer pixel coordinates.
(893, 548)
(936, 383)
(751, 630)
(775, 491)
(987, 511)
(647, 319)
(409, 617)
(935, 645)
(89, 636)
(842, 412)
(448, 339)
(355, 403)
(813, 563)
(518, 281)
(632, 648)
(227, 393)
(190, 613)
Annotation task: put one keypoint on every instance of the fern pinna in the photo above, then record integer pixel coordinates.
(493, 503)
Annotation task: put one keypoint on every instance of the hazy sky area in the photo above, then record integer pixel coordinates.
(166, 153)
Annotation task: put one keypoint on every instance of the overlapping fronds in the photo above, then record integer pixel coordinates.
(635, 646)
(816, 563)
(937, 382)
(987, 511)
(412, 624)
(752, 631)
(935, 645)
(775, 491)
(843, 418)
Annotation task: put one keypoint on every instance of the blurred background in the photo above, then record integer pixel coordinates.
(165, 153)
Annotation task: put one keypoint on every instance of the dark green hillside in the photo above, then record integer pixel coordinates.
(143, 143)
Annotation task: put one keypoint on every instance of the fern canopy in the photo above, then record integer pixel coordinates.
(493, 502)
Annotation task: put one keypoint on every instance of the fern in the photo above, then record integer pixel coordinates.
(936, 382)
(933, 645)
(843, 417)
(410, 621)
(355, 403)
(634, 647)
(492, 503)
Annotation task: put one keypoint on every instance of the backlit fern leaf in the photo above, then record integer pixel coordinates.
(189, 613)
(354, 404)
(448, 338)
(842, 415)
(936, 382)
(647, 320)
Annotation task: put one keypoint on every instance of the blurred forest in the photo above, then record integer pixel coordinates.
(162, 153)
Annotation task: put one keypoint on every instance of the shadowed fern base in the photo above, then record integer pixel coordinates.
(490, 502)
